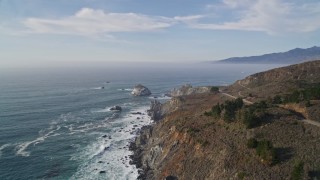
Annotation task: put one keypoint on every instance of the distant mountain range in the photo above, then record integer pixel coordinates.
(293, 56)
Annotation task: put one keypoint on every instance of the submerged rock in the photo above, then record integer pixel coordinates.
(140, 90)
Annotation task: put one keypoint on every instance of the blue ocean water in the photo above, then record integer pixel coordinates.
(56, 123)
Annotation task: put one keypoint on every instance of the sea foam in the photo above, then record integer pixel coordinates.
(108, 156)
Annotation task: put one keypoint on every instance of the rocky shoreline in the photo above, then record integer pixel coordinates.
(138, 145)
(143, 158)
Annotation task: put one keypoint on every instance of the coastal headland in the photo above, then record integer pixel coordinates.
(265, 126)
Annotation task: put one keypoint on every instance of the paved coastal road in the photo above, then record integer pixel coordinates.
(233, 97)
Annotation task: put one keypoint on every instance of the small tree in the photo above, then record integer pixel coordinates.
(277, 99)
(297, 172)
(214, 89)
(216, 111)
(250, 119)
(308, 103)
(238, 103)
(252, 143)
(266, 151)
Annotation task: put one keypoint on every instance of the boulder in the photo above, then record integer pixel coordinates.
(116, 108)
(140, 90)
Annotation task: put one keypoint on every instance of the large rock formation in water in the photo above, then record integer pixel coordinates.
(140, 90)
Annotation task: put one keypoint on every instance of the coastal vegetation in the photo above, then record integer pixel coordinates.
(235, 110)
(297, 96)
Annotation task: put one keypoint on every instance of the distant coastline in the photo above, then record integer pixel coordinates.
(293, 56)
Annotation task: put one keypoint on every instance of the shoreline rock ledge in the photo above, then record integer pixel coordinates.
(140, 90)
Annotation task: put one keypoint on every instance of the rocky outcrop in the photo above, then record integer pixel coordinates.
(155, 110)
(140, 90)
(189, 90)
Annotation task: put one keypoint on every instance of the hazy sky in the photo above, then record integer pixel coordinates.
(51, 32)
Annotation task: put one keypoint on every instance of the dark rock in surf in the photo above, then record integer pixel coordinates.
(116, 108)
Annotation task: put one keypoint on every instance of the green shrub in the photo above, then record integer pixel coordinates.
(252, 143)
(230, 108)
(266, 151)
(242, 175)
(193, 130)
(216, 111)
(262, 105)
(238, 103)
(308, 103)
(277, 100)
(297, 172)
(214, 89)
(303, 95)
(250, 119)
(207, 113)
(204, 143)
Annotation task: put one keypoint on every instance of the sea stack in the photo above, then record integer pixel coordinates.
(140, 90)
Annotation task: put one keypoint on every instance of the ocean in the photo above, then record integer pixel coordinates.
(56, 123)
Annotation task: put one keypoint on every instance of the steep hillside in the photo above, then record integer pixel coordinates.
(278, 81)
(282, 82)
(293, 56)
